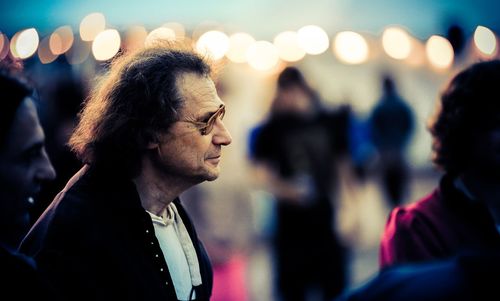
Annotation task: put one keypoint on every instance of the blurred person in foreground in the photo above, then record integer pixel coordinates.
(463, 212)
(298, 148)
(465, 277)
(150, 130)
(391, 125)
(24, 165)
(447, 245)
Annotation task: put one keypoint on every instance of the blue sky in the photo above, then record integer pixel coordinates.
(262, 18)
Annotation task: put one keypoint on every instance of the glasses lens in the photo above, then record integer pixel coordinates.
(211, 122)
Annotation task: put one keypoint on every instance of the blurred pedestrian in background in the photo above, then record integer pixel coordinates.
(298, 147)
(392, 124)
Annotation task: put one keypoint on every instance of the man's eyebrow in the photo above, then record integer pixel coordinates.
(36, 146)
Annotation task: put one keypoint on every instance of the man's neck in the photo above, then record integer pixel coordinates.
(156, 189)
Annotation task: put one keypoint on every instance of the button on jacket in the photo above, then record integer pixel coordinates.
(96, 242)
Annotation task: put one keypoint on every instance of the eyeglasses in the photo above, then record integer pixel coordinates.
(207, 127)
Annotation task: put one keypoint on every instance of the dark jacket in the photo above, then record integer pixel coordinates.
(96, 242)
(469, 276)
(20, 279)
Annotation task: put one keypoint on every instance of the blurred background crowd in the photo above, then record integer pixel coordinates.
(373, 68)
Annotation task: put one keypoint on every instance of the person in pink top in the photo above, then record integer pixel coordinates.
(463, 213)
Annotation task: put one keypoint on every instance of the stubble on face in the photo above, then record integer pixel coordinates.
(184, 152)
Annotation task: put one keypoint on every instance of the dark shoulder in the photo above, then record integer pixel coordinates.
(15, 264)
(68, 216)
(440, 280)
(77, 200)
(19, 277)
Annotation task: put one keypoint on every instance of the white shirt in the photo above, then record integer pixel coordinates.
(167, 233)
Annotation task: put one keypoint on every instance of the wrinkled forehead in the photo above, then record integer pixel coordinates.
(198, 92)
(189, 83)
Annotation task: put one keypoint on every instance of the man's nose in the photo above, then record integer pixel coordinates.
(45, 169)
(222, 135)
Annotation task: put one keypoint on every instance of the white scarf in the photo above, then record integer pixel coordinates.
(172, 215)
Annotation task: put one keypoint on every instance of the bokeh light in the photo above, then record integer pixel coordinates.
(135, 37)
(45, 53)
(313, 39)
(61, 40)
(439, 52)
(485, 41)
(262, 56)
(396, 43)
(159, 34)
(213, 43)
(91, 26)
(26, 43)
(2, 41)
(106, 45)
(416, 56)
(12, 45)
(239, 43)
(4, 46)
(288, 46)
(350, 47)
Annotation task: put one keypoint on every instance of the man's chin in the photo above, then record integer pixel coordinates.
(212, 178)
(212, 175)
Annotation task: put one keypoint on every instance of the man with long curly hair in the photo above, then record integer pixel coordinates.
(151, 129)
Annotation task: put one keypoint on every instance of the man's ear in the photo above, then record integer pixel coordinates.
(153, 141)
(152, 145)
